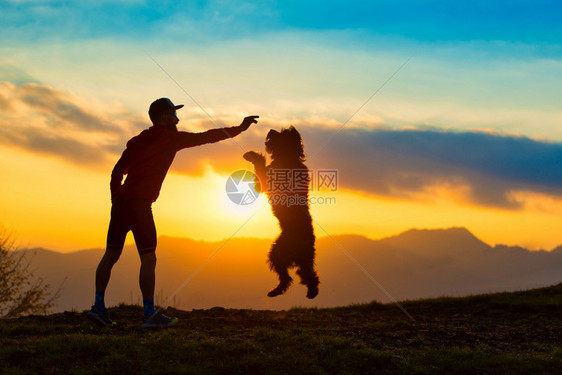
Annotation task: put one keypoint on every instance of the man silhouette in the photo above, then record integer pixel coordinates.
(146, 161)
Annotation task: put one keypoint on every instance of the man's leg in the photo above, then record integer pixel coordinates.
(98, 314)
(144, 231)
(147, 281)
(116, 234)
(103, 272)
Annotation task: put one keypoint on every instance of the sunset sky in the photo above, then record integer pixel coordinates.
(433, 113)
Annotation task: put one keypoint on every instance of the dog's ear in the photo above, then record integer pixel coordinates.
(271, 141)
(272, 134)
(294, 133)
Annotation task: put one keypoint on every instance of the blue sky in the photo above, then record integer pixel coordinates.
(531, 22)
(433, 21)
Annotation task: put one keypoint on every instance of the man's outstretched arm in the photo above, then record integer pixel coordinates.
(214, 135)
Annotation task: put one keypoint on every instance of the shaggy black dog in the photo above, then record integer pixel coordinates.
(286, 182)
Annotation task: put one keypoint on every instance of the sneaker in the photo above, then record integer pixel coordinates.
(159, 320)
(100, 317)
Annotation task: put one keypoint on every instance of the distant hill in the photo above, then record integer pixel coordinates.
(414, 264)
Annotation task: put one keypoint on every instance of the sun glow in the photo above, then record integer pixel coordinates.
(199, 208)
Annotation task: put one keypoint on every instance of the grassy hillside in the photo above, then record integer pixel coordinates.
(506, 333)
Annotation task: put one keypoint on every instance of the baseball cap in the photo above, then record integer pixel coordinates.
(160, 106)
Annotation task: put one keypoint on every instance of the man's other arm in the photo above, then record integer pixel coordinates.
(119, 171)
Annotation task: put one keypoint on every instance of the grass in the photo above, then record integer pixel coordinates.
(503, 333)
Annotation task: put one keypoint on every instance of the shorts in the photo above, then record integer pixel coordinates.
(131, 214)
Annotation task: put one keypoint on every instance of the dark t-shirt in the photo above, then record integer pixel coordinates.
(148, 157)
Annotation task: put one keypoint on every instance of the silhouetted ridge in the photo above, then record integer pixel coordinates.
(450, 241)
(415, 264)
(557, 250)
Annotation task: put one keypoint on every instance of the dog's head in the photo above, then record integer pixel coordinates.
(286, 144)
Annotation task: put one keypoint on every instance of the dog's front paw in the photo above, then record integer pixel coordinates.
(254, 157)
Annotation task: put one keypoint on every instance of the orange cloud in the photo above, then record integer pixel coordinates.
(44, 120)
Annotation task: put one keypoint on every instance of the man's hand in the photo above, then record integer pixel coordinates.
(248, 121)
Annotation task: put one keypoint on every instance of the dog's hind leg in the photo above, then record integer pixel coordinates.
(285, 281)
(279, 262)
(310, 278)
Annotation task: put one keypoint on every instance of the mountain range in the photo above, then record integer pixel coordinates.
(353, 269)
